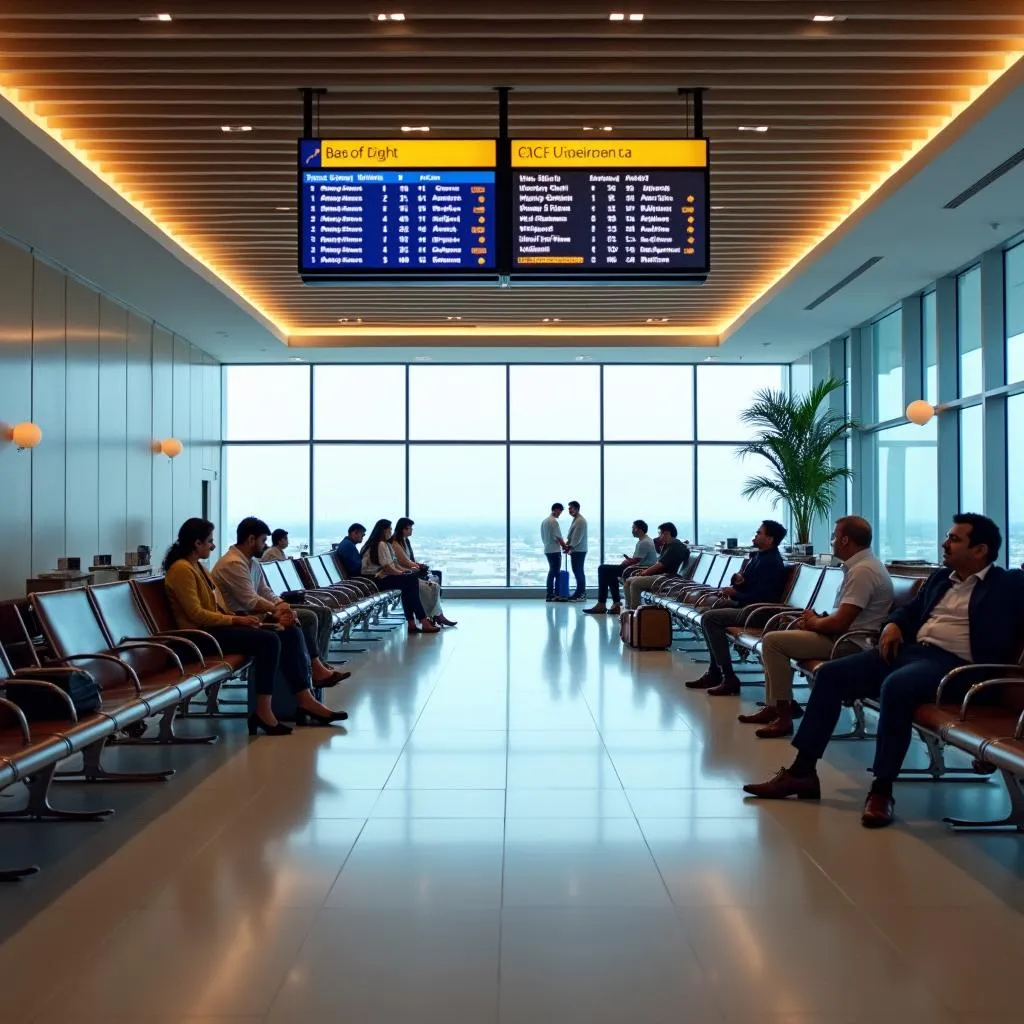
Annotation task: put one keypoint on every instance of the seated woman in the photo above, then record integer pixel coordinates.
(194, 601)
(430, 589)
(380, 565)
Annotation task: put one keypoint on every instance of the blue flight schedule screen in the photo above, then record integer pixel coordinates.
(354, 221)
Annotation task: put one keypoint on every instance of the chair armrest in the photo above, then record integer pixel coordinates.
(987, 684)
(780, 622)
(868, 634)
(131, 674)
(764, 612)
(168, 639)
(133, 644)
(711, 594)
(979, 673)
(19, 718)
(1018, 733)
(200, 634)
(59, 696)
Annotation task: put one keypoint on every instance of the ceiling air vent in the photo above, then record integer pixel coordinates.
(994, 175)
(840, 285)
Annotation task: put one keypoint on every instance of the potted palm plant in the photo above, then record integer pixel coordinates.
(796, 434)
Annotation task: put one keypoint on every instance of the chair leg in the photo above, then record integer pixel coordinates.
(860, 729)
(938, 770)
(39, 807)
(167, 735)
(92, 769)
(1014, 821)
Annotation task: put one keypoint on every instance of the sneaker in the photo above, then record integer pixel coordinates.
(598, 609)
(578, 597)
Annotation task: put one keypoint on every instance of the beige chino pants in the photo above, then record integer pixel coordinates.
(777, 650)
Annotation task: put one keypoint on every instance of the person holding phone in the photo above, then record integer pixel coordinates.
(608, 576)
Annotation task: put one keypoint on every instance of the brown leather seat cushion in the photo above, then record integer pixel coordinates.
(937, 718)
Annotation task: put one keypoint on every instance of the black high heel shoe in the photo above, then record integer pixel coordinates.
(256, 724)
(304, 717)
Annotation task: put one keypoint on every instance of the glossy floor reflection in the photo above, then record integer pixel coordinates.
(522, 823)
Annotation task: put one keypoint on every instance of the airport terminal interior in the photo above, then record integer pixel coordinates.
(547, 283)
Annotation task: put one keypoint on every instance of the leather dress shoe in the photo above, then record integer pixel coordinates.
(784, 784)
(879, 811)
(765, 716)
(728, 687)
(778, 729)
(598, 609)
(704, 682)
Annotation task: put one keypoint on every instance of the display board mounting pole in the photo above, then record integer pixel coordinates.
(309, 130)
(697, 94)
(504, 186)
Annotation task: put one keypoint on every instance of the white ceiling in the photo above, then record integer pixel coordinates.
(54, 204)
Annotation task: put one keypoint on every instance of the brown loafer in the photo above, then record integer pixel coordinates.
(765, 716)
(783, 784)
(598, 609)
(728, 687)
(775, 730)
(879, 811)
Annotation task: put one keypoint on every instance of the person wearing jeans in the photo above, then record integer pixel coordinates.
(576, 545)
(968, 611)
(608, 576)
(380, 565)
(551, 538)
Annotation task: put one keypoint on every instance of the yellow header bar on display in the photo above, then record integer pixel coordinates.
(621, 153)
(421, 153)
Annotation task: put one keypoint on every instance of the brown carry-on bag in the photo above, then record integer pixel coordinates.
(647, 628)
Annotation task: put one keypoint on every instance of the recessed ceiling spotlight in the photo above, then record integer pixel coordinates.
(616, 16)
(291, 209)
(636, 17)
(656, 320)
(236, 127)
(156, 17)
(415, 127)
(453, 318)
(398, 16)
(753, 127)
(828, 17)
(351, 320)
(717, 207)
(552, 320)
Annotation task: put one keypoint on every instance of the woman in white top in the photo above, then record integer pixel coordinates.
(430, 586)
(380, 565)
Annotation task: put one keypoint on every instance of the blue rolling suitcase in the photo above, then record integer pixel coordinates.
(562, 590)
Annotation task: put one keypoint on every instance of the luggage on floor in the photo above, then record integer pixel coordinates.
(647, 628)
(562, 590)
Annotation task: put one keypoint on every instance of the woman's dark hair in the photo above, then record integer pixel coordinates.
(192, 532)
(376, 536)
(277, 536)
(401, 524)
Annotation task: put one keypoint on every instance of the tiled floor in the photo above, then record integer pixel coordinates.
(522, 823)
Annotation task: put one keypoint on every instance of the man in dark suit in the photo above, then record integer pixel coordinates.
(969, 611)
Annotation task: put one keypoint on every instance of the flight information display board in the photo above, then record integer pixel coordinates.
(629, 209)
(416, 209)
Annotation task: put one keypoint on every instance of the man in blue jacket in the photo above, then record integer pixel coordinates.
(762, 580)
(969, 611)
(348, 549)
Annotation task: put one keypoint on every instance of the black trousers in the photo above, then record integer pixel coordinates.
(270, 649)
(902, 687)
(608, 577)
(576, 560)
(554, 567)
(412, 606)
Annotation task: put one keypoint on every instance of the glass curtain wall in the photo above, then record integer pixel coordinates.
(476, 455)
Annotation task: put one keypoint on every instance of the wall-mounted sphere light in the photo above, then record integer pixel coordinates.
(25, 435)
(171, 447)
(920, 412)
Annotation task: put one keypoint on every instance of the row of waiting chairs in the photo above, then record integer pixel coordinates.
(125, 637)
(979, 709)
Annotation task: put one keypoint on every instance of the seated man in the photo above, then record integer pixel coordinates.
(278, 544)
(243, 589)
(348, 549)
(674, 554)
(970, 610)
(608, 576)
(761, 581)
(863, 602)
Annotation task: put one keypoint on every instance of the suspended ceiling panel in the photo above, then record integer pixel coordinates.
(844, 102)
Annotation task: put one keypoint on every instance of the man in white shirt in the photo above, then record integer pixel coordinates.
(644, 554)
(278, 544)
(968, 611)
(863, 602)
(554, 545)
(576, 545)
(243, 589)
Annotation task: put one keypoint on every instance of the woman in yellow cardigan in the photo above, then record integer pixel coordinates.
(193, 599)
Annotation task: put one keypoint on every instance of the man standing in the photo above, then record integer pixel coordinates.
(278, 544)
(968, 611)
(551, 538)
(863, 602)
(674, 554)
(608, 576)
(576, 545)
(348, 549)
(243, 589)
(761, 581)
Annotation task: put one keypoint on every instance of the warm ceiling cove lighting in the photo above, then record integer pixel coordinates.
(236, 127)
(753, 128)
(415, 127)
(291, 209)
